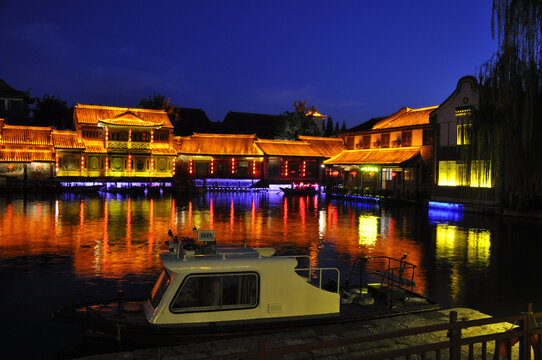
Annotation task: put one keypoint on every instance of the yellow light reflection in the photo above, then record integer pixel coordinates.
(453, 241)
(321, 223)
(479, 242)
(457, 246)
(368, 230)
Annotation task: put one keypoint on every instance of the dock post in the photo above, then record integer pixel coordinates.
(525, 340)
(455, 337)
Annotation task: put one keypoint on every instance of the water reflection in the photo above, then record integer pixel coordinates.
(467, 251)
(112, 237)
(76, 244)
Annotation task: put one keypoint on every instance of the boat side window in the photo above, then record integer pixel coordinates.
(217, 292)
(159, 288)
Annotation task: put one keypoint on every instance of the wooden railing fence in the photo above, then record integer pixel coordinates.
(496, 345)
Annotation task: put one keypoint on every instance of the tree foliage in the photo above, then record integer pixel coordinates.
(52, 111)
(508, 126)
(159, 102)
(298, 122)
(329, 127)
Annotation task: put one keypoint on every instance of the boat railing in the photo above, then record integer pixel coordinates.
(332, 284)
(312, 270)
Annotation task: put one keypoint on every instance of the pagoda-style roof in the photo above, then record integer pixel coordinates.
(116, 116)
(405, 117)
(7, 91)
(26, 135)
(129, 119)
(218, 145)
(287, 148)
(66, 139)
(374, 156)
(27, 155)
(94, 146)
(326, 146)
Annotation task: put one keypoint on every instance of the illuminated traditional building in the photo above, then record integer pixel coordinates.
(319, 120)
(219, 156)
(454, 180)
(290, 161)
(117, 144)
(125, 145)
(233, 156)
(26, 153)
(392, 153)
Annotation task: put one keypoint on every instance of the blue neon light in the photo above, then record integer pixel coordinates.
(439, 216)
(445, 206)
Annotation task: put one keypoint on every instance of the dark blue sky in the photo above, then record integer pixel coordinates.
(352, 59)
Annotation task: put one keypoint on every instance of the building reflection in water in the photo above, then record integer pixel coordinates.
(465, 250)
(113, 236)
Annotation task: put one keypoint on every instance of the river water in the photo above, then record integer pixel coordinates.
(53, 248)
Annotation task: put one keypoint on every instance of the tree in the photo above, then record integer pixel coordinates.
(329, 127)
(156, 102)
(159, 102)
(508, 126)
(298, 122)
(52, 111)
(336, 128)
(343, 128)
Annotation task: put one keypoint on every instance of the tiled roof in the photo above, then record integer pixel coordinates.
(27, 155)
(375, 156)
(91, 114)
(163, 149)
(218, 144)
(287, 148)
(9, 92)
(128, 118)
(26, 135)
(66, 140)
(405, 117)
(326, 146)
(94, 146)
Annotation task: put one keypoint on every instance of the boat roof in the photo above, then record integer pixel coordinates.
(224, 260)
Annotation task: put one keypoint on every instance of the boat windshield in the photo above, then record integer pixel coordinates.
(159, 288)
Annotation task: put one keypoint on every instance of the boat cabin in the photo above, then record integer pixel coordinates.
(210, 284)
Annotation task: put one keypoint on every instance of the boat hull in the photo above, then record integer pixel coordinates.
(105, 321)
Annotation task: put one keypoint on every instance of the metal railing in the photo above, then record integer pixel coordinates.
(311, 270)
(493, 345)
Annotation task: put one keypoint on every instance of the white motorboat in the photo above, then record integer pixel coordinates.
(207, 290)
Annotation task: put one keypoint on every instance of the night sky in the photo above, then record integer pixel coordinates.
(352, 59)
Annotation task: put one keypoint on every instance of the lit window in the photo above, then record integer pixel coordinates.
(447, 173)
(463, 134)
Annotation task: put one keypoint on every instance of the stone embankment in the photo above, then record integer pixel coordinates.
(226, 347)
